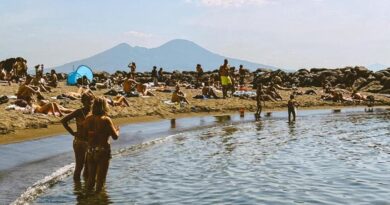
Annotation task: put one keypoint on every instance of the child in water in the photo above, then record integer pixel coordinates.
(292, 104)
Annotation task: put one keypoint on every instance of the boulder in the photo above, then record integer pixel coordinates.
(373, 86)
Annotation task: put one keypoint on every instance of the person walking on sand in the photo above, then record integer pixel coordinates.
(292, 104)
(100, 128)
(226, 82)
(80, 142)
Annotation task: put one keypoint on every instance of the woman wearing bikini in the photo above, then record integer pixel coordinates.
(80, 142)
(100, 128)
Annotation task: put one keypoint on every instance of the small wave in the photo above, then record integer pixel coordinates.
(42, 185)
(127, 150)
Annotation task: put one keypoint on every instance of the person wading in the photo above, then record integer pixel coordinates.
(100, 128)
(80, 136)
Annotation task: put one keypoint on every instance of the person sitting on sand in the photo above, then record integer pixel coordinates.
(38, 81)
(179, 96)
(292, 104)
(53, 82)
(208, 91)
(118, 101)
(83, 82)
(80, 141)
(271, 90)
(25, 93)
(259, 99)
(100, 128)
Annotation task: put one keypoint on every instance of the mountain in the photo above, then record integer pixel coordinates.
(174, 55)
(377, 66)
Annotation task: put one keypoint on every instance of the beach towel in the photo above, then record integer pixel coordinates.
(248, 94)
(25, 110)
(169, 102)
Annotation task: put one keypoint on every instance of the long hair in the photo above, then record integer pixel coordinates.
(100, 107)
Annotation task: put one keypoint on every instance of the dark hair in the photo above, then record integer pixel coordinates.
(291, 96)
(99, 107)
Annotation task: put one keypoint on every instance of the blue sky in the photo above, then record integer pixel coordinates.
(284, 33)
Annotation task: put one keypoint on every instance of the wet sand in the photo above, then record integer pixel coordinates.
(16, 126)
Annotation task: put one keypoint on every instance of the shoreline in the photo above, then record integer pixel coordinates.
(57, 128)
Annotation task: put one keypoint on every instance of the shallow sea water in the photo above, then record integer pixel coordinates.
(340, 158)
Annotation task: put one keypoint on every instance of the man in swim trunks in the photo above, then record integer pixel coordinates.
(226, 82)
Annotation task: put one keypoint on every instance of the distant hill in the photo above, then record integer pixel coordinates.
(377, 66)
(174, 55)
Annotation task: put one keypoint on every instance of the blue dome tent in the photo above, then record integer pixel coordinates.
(81, 71)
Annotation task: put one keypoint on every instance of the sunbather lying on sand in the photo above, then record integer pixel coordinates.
(75, 95)
(52, 108)
(118, 101)
(209, 91)
(130, 85)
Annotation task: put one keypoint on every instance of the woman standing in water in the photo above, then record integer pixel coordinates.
(80, 142)
(100, 128)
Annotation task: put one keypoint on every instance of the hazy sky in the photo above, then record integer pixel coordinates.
(284, 33)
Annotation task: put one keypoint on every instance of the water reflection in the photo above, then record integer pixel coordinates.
(291, 128)
(259, 125)
(86, 197)
(173, 123)
(222, 118)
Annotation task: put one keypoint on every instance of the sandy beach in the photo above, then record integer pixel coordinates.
(16, 126)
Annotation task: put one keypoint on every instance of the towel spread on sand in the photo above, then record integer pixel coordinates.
(169, 102)
(244, 94)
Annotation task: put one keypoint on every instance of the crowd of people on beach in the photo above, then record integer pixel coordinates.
(94, 127)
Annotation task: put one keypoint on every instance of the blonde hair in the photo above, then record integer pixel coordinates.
(100, 107)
